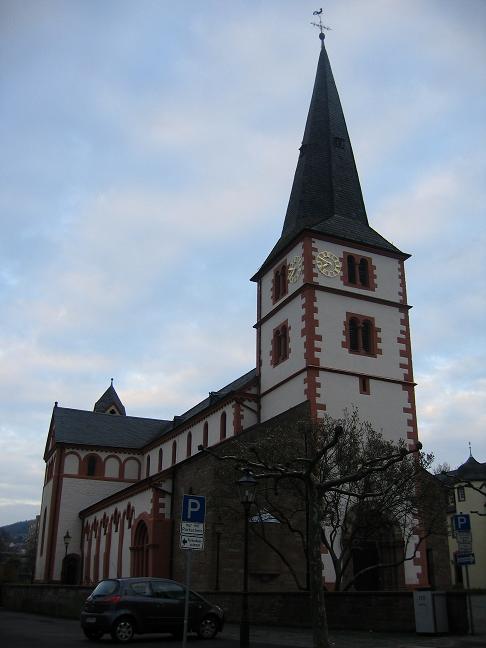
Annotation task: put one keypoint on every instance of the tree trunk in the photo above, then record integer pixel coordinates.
(319, 618)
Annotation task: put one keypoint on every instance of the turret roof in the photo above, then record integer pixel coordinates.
(109, 398)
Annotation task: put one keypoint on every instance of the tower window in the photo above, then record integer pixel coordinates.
(280, 344)
(461, 494)
(361, 337)
(189, 444)
(358, 271)
(161, 458)
(205, 435)
(147, 467)
(364, 385)
(174, 452)
(280, 284)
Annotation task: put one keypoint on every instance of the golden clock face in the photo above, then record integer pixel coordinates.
(296, 267)
(328, 264)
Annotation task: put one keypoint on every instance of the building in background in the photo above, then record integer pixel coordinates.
(467, 495)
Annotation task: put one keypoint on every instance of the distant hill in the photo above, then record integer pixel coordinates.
(16, 531)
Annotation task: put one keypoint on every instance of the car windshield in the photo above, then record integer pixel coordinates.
(105, 588)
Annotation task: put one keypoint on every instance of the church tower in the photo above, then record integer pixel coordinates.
(332, 315)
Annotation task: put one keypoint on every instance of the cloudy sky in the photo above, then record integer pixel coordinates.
(147, 154)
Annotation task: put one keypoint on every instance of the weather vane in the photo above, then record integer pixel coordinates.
(319, 25)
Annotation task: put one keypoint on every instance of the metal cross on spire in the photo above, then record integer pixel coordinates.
(320, 26)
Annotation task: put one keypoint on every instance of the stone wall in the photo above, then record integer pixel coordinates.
(370, 611)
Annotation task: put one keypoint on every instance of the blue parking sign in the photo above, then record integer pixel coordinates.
(193, 508)
(462, 522)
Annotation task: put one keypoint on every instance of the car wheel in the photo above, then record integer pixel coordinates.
(208, 628)
(93, 635)
(123, 630)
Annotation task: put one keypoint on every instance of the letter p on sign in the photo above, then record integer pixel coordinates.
(462, 522)
(193, 508)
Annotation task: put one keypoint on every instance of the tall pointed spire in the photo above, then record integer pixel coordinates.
(326, 181)
(326, 193)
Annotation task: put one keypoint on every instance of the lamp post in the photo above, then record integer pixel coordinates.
(246, 488)
(218, 528)
(67, 540)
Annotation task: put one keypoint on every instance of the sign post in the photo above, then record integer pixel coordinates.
(191, 538)
(464, 555)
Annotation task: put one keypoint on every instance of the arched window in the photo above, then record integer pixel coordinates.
(205, 435)
(284, 349)
(364, 272)
(91, 465)
(189, 444)
(351, 263)
(358, 271)
(161, 458)
(283, 279)
(174, 452)
(147, 467)
(276, 285)
(222, 426)
(140, 551)
(366, 331)
(362, 335)
(43, 535)
(353, 334)
(280, 282)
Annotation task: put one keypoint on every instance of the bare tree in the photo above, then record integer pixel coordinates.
(333, 468)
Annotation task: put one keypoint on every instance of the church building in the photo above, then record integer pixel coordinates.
(332, 332)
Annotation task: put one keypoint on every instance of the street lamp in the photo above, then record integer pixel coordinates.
(246, 489)
(67, 540)
(218, 528)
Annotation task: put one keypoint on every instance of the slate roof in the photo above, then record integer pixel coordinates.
(81, 427)
(219, 395)
(109, 398)
(326, 193)
(470, 470)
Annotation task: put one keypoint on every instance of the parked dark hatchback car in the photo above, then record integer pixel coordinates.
(125, 606)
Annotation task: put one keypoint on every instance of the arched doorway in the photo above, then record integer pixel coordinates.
(140, 550)
(71, 569)
(375, 547)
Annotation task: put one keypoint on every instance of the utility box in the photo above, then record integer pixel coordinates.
(430, 612)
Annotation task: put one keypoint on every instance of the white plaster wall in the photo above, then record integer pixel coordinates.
(283, 398)
(266, 281)
(382, 408)
(71, 464)
(40, 562)
(331, 314)
(76, 495)
(249, 418)
(270, 375)
(131, 469)
(387, 272)
(112, 468)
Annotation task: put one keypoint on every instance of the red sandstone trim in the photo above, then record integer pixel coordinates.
(371, 271)
(237, 418)
(54, 518)
(375, 330)
(308, 331)
(274, 359)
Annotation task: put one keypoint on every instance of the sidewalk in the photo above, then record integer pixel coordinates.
(302, 638)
